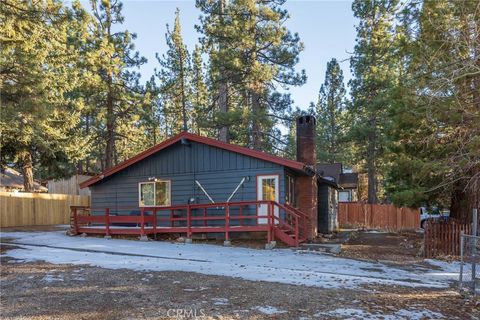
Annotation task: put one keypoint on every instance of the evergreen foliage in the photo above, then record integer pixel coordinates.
(72, 100)
(330, 111)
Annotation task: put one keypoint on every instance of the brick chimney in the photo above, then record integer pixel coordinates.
(307, 185)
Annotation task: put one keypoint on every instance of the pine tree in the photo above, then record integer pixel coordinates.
(435, 132)
(249, 39)
(38, 115)
(200, 96)
(113, 60)
(152, 118)
(330, 115)
(374, 68)
(174, 76)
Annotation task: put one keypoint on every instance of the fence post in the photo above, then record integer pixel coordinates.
(426, 240)
(461, 259)
(474, 248)
(107, 222)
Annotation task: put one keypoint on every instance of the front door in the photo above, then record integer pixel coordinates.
(267, 189)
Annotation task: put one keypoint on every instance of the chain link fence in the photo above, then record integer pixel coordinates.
(470, 264)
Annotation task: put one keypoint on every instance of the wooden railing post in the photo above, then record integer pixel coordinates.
(142, 222)
(204, 217)
(155, 221)
(189, 222)
(272, 220)
(241, 215)
(227, 223)
(107, 222)
(75, 220)
(269, 228)
(297, 239)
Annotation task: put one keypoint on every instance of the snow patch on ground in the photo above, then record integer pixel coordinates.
(419, 314)
(269, 310)
(220, 301)
(52, 278)
(352, 313)
(278, 265)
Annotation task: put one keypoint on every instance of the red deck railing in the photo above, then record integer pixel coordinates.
(287, 223)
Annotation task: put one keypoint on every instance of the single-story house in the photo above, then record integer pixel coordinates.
(12, 181)
(193, 184)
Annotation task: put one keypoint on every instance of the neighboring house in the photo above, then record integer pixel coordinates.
(12, 181)
(198, 172)
(348, 187)
(69, 185)
(347, 182)
(337, 186)
(327, 205)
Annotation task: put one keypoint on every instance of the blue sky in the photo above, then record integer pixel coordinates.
(327, 29)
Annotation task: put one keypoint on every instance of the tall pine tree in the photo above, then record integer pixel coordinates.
(112, 63)
(249, 39)
(175, 76)
(38, 71)
(374, 69)
(331, 115)
(435, 132)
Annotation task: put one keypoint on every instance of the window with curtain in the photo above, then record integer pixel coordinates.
(268, 189)
(155, 193)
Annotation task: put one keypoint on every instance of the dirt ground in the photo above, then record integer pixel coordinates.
(39, 290)
(396, 248)
(47, 291)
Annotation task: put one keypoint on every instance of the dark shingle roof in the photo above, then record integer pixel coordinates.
(349, 180)
(332, 170)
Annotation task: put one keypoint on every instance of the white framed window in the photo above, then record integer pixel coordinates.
(344, 196)
(155, 193)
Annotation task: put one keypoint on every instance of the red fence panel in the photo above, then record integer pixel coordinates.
(377, 216)
(443, 238)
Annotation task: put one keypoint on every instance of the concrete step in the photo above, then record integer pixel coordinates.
(322, 247)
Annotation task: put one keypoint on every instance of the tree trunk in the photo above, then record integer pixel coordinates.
(110, 145)
(223, 88)
(184, 98)
(257, 140)
(87, 131)
(27, 171)
(371, 164)
(459, 207)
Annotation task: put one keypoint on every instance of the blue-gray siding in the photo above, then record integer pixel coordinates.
(218, 170)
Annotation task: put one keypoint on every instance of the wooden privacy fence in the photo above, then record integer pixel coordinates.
(377, 216)
(35, 209)
(443, 238)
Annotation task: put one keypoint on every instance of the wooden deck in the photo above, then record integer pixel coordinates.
(279, 221)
